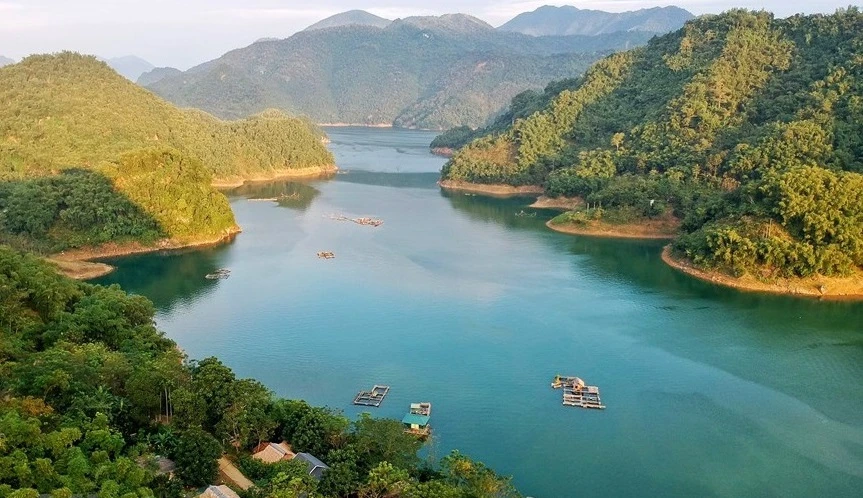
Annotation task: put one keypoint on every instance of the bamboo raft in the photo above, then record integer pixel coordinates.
(372, 398)
(326, 254)
(576, 393)
(374, 222)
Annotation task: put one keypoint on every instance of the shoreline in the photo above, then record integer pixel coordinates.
(630, 231)
(809, 288)
(78, 264)
(307, 173)
(491, 189)
(357, 125)
(559, 203)
(442, 151)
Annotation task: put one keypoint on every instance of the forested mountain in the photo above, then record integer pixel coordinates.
(156, 74)
(137, 168)
(5, 61)
(429, 72)
(349, 18)
(69, 110)
(746, 126)
(568, 20)
(130, 66)
(93, 396)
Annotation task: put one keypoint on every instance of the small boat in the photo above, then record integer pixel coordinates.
(326, 255)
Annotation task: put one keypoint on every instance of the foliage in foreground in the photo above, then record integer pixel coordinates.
(745, 125)
(91, 392)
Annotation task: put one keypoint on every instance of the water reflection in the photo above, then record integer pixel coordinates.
(511, 212)
(171, 278)
(387, 179)
(287, 193)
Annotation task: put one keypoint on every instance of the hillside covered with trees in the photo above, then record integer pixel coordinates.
(92, 395)
(87, 157)
(745, 127)
(69, 110)
(427, 72)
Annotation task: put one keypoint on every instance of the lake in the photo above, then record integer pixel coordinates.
(459, 301)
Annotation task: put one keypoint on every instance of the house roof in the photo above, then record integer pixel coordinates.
(414, 419)
(219, 492)
(315, 466)
(272, 452)
(233, 475)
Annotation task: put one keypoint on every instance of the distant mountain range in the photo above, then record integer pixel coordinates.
(350, 18)
(568, 20)
(427, 72)
(157, 74)
(5, 61)
(130, 66)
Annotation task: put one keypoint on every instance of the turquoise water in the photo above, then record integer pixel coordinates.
(458, 301)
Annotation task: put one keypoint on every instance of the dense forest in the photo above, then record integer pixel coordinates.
(87, 157)
(745, 127)
(426, 72)
(68, 110)
(92, 394)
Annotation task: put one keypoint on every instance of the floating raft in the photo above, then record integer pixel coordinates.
(218, 274)
(372, 398)
(374, 222)
(326, 255)
(576, 393)
(416, 422)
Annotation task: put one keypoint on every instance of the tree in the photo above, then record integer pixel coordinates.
(196, 457)
(384, 440)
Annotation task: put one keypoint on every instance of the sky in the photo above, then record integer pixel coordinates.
(184, 33)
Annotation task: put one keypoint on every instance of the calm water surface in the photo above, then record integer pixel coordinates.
(458, 301)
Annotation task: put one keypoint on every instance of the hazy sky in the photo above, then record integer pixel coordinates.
(182, 33)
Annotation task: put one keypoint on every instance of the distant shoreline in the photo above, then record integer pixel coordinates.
(828, 288)
(78, 264)
(305, 173)
(377, 125)
(495, 190)
(357, 125)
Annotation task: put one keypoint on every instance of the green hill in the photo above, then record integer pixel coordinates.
(744, 126)
(87, 157)
(428, 72)
(68, 110)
